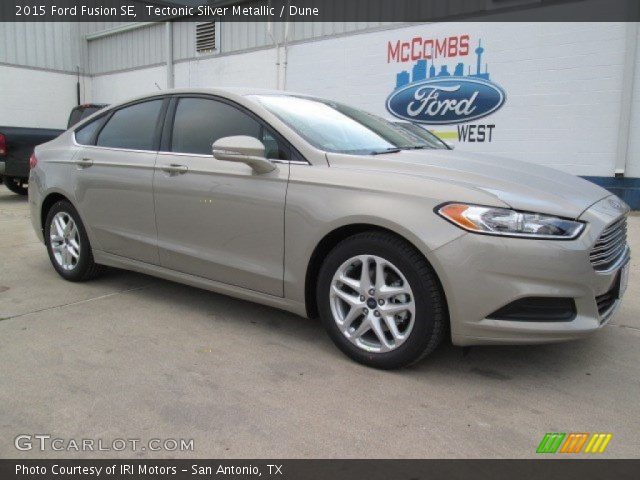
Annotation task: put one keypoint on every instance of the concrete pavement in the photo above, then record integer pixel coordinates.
(132, 357)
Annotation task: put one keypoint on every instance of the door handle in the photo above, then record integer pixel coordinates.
(174, 169)
(84, 163)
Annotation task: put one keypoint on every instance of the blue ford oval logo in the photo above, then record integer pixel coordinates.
(440, 101)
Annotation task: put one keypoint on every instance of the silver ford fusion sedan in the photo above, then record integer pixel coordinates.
(318, 208)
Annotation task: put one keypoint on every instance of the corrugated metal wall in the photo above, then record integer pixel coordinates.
(145, 46)
(238, 36)
(126, 50)
(50, 45)
(63, 46)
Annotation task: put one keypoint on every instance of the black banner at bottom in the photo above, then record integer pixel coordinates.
(543, 469)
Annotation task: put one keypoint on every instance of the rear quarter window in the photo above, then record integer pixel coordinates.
(85, 135)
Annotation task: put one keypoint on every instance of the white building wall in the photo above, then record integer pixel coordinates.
(251, 69)
(117, 87)
(38, 98)
(633, 157)
(562, 81)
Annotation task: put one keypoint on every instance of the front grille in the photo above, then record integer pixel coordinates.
(610, 247)
(606, 301)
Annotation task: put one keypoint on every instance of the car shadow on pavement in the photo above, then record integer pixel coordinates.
(483, 363)
(11, 199)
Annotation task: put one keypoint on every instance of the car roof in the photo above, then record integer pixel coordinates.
(229, 92)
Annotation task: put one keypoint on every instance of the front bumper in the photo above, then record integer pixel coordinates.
(481, 274)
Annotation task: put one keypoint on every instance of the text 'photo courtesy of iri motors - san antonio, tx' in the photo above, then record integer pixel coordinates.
(447, 83)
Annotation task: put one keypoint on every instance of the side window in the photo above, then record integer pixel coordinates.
(272, 146)
(86, 134)
(199, 122)
(132, 127)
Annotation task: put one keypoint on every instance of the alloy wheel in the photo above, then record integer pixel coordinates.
(65, 241)
(372, 303)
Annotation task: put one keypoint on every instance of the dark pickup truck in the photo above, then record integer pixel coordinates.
(17, 144)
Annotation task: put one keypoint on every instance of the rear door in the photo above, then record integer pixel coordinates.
(114, 174)
(220, 220)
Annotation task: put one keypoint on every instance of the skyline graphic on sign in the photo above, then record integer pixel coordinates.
(420, 72)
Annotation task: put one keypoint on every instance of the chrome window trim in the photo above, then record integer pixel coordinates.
(181, 154)
(202, 155)
(75, 143)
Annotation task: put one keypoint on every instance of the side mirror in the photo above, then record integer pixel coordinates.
(243, 149)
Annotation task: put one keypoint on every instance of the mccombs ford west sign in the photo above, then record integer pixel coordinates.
(435, 96)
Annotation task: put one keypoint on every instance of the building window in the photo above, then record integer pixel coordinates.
(205, 37)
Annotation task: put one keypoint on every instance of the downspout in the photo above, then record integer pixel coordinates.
(285, 60)
(281, 54)
(626, 100)
(277, 46)
(169, 52)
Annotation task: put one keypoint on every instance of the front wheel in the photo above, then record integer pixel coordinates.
(68, 245)
(17, 185)
(380, 301)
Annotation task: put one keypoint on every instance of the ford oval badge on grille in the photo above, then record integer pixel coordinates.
(446, 100)
(615, 204)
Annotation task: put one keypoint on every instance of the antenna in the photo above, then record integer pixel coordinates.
(78, 83)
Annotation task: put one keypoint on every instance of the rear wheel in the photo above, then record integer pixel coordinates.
(68, 245)
(380, 301)
(17, 185)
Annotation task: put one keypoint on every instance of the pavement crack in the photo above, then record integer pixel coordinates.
(623, 326)
(79, 302)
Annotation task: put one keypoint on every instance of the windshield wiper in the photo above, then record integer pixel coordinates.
(420, 147)
(388, 150)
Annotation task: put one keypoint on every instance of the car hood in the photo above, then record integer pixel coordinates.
(521, 185)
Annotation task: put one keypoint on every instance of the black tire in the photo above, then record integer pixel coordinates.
(85, 268)
(17, 185)
(431, 317)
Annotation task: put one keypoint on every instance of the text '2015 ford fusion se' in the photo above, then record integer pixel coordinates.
(308, 205)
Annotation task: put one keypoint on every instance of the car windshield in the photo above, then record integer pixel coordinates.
(335, 127)
(426, 135)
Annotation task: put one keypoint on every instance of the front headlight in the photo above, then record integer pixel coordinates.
(510, 223)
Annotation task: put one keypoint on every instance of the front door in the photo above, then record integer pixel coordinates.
(219, 220)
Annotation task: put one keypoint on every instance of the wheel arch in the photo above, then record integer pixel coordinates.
(49, 201)
(333, 238)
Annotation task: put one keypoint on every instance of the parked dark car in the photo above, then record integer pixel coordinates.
(83, 111)
(17, 144)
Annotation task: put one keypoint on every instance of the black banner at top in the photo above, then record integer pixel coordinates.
(319, 10)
